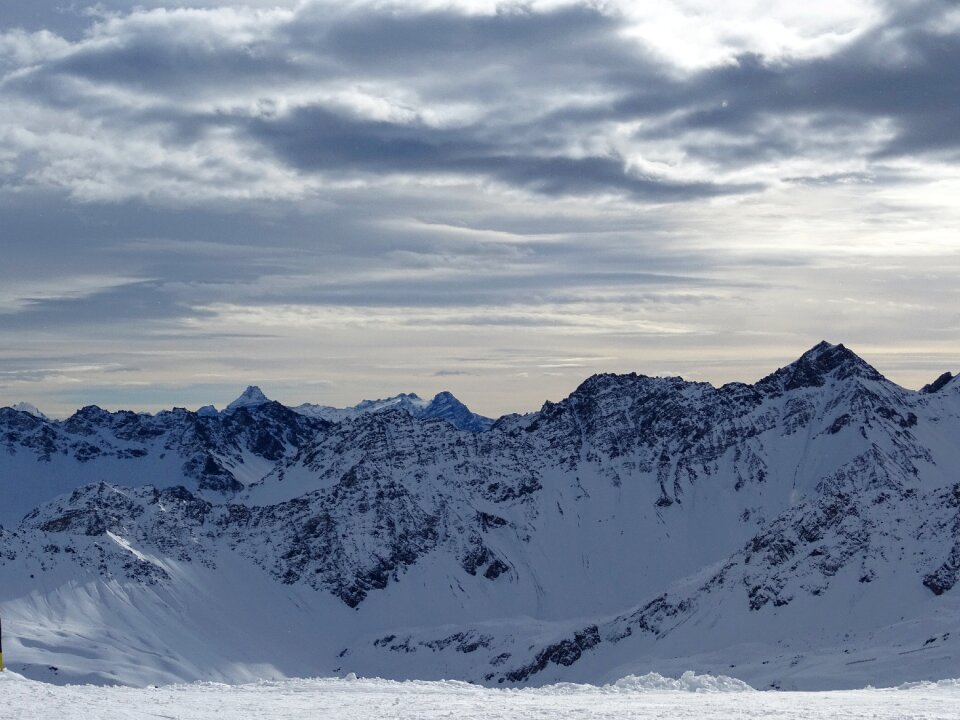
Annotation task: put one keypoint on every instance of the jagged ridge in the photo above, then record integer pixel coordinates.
(676, 514)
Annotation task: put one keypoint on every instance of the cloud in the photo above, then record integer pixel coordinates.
(130, 302)
(193, 93)
(242, 102)
(314, 139)
(899, 73)
(365, 193)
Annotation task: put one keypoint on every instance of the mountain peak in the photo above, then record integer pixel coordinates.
(403, 400)
(826, 358)
(937, 384)
(826, 351)
(819, 362)
(601, 382)
(251, 397)
(26, 407)
(445, 396)
(446, 406)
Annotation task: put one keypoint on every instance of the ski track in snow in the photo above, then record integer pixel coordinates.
(349, 699)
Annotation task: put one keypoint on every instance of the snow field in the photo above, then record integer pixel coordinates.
(650, 696)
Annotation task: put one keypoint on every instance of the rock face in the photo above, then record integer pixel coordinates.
(938, 384)
(802, 531)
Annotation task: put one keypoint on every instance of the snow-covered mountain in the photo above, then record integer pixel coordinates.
(26, 407)
(252, 397)
(444, 406)
(803, 531)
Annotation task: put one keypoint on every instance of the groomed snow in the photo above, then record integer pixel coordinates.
(648, 696)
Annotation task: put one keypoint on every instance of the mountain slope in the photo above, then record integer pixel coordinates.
(640, 524)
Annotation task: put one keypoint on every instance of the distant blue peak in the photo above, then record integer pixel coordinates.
(251, 397)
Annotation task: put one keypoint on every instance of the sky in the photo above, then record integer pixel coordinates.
(346, 200)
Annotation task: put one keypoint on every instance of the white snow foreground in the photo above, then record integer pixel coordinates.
(648, 696)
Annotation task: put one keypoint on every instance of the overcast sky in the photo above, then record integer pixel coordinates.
(339, 201)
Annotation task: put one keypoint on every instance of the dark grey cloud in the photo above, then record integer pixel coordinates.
(65, 19)
(831, 178)
(316, 139)
(374, 39)
(158, 59)
(520, 64)
(164, 52)
(442, 55)
(46, 235)
(129, 303)
(449, 54)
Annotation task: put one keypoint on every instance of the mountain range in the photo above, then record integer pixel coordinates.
(799, 532)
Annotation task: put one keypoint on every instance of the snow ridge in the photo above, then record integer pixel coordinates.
(26, 407)
(444, 406)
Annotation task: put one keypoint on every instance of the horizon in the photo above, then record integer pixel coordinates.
(339, 200)
(291, 402)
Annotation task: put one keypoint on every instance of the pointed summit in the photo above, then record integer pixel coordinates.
(252, 397)
(818, 363)
(447, 407)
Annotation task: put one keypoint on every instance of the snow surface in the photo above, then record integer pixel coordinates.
(650, 696)
(28, 408)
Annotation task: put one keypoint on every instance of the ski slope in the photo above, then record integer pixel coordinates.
(650, 696)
